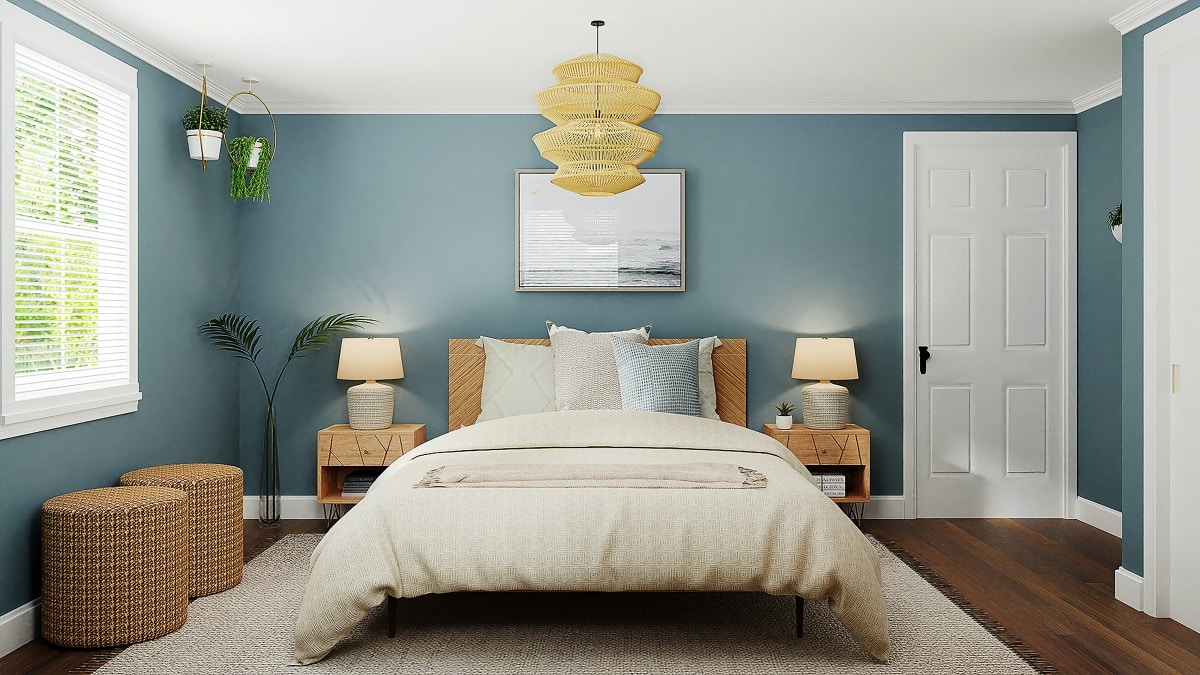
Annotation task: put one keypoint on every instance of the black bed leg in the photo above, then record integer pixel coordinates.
(392, 603)
(799, 617)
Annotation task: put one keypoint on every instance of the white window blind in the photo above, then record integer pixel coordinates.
(72, 262)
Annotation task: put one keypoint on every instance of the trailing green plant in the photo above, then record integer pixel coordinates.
(1114, 217)
(244, 182)
(240, 335)
(214, 118)
(785, 408)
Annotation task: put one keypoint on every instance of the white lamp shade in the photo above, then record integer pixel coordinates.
(824, 359)
(370, 359)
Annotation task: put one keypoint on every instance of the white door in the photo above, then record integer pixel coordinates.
(991, 218)
(1172, 252)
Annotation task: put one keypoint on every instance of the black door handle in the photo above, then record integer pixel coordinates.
(924, 352)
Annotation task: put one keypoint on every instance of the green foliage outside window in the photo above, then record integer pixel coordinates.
(56, 144)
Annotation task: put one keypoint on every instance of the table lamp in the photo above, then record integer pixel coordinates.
(369, 405)
(823, 404)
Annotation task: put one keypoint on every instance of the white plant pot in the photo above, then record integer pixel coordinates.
(254, 152)
(783, 421)
(212, 143)
(1117, 233)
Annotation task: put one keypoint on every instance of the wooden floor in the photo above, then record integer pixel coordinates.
(1048, 581)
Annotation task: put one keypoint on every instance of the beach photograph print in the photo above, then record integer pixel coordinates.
(631, 241)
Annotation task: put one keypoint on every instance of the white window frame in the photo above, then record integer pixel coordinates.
(25, 417)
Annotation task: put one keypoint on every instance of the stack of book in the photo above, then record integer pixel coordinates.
(358, 482)
(832, 484)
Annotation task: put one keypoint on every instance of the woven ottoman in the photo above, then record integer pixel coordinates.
(215, 519)
(114, 566)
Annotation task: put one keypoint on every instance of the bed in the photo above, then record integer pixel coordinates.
(414, 535)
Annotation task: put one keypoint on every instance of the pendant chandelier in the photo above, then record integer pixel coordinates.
(597, 105)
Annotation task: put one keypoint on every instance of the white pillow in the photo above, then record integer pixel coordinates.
(517, 379)
(708, 387)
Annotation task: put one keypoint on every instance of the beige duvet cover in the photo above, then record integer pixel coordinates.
(787, 539)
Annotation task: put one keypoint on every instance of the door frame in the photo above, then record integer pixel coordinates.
(1067, 139)
(1160, 48)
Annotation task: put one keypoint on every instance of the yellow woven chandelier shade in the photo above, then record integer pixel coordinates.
(606, 141)
(598, 65)
(597, 179)
(597, 98)
(597, 105)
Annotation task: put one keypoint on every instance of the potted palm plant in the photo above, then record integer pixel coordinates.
(239, 335)
(205, 131)
(784, 419)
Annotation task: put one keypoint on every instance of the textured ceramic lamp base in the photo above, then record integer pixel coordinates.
(370, 405)
(824, 405)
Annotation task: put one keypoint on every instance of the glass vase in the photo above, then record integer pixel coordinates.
(268, 489)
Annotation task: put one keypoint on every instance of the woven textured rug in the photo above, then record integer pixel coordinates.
(248, 629)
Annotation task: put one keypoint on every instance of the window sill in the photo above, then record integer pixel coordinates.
(45, 420)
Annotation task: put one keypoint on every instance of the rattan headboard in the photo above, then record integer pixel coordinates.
(466, 377)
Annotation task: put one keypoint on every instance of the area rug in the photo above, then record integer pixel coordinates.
(248, 629)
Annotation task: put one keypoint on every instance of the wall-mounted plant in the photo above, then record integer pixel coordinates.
(205, 128)
(1114, 222)
(249, 164)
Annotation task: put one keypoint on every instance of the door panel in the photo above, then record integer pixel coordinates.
(991, 218)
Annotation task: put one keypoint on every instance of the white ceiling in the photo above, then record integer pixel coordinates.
(703, 56)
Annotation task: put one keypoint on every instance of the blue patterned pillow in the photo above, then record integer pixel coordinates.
(659, 379)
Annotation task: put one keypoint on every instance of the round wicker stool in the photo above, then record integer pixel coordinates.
(114, 566)
(215, 519)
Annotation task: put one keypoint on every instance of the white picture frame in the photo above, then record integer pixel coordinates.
(631, 241)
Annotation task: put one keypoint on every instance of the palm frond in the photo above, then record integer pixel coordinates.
(237, 334)
(323, 330)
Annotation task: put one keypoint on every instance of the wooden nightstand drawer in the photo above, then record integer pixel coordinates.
(340, 445)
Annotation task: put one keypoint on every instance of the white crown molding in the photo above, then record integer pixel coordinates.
(1097, 96)
(89, 20)
(832, 108)
(1142, 13)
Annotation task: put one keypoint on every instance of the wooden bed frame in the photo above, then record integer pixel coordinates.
(466, 377)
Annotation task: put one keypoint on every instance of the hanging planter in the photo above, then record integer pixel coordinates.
(1115, 222)
(249, 168)
(250, 157)
(205, 131)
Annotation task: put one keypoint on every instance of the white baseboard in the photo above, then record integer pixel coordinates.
(20, 626)
(885, 507)
(1098, 516)
(1129, 588)
(291, 507)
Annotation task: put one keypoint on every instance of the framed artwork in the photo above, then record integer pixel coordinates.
(632, 241)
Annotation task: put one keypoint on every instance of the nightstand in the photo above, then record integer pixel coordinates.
(341, 450)
(845, 451)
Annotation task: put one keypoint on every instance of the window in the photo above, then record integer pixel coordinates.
(69, 214)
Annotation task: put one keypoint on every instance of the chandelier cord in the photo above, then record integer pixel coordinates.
(597, 23)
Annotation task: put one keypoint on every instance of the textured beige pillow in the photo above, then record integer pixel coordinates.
(585, 370)
(708, 387)
(517, 379)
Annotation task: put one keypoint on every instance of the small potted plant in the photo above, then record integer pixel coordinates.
(208, 128)
(784, 419)
(1114, 222)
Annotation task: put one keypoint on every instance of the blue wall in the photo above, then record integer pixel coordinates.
(1099, 327)
(793, 227)
(1132, 90)
(187, 272)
